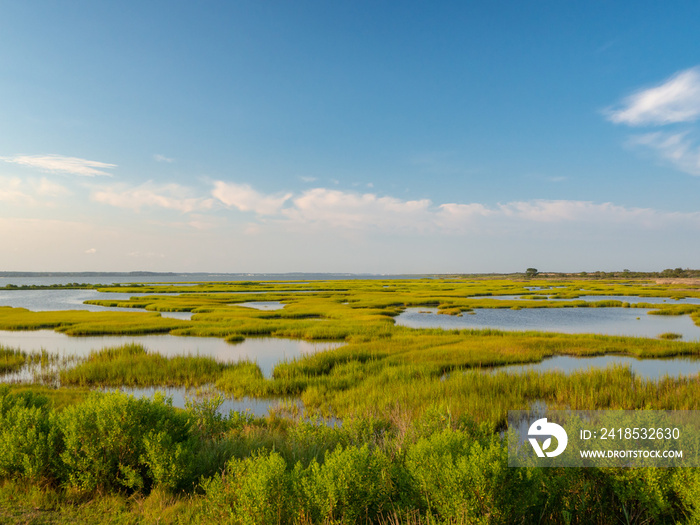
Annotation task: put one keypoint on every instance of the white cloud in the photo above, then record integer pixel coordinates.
(11, 190)
(245, 198)
(62, 164)
(162, 158)
(168, 196)
(308, 179)
(453, 215)
(29, 192)
(677, 148)
(352, 210)
(49, 188)
(563, 211)
(676, 100)
(335, 210)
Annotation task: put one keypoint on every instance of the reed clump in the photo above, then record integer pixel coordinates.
(11, 359)
(133, 365)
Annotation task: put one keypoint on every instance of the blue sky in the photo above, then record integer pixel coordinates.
(382, 137)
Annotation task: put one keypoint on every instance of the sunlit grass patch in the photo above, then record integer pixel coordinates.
(81, 322)
(133, 365)
(11, 359)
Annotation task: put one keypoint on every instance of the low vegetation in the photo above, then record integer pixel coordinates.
(132, 365)
(422, 410)
(113, 458)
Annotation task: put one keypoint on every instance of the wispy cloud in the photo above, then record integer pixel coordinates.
(31, 191)
(62, 164)
(329, 209)
(333, 208)
(677, 148)
(168, 196)
(245, 198)
(675, 100)
(162, 158)
(308, 179)
(12, 191)
(49, 188)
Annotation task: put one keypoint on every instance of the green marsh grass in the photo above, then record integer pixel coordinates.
(421, 410)
(80, 322)
(133, 365)
(11, 359)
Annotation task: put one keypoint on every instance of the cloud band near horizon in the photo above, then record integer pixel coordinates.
(327, 209)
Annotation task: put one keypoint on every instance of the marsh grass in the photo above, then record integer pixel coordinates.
(420, 409)
(81, 322)
(133, 365)
(670, 336)
(11, 359)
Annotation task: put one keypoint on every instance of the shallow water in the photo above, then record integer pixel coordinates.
(631, 299)
(262, 305)
(46, 300)
(645, 368)
(52, 300)
(607, 321)
(266, 351)
(179, 395)
(185, 316)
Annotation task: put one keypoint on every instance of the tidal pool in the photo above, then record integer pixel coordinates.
(179, 396)
(46, 300)
(266, 351)
(262, 305)
(185, 316)
(58, 299)
(631, 299)
(645, 368)
(606, 321)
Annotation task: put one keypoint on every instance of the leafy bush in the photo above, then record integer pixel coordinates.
(28, 436)
(253, 490)
(462, 480)
(354, 484)
(114, 441)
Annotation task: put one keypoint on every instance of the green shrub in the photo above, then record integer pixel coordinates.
(252, 491)
(170, 463)
(114, 441)
(353, 485)
(461, 480)
(28, 436)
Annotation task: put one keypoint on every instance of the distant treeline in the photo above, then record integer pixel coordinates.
(52, 286)
(669, 273)
(665, 274)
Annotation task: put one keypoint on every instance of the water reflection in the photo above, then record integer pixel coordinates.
(185, 316)
(266, 351)
(631, 299)
(262, 305)
(646, 368)
(253, 406)
(47, 300)
(607, 321)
